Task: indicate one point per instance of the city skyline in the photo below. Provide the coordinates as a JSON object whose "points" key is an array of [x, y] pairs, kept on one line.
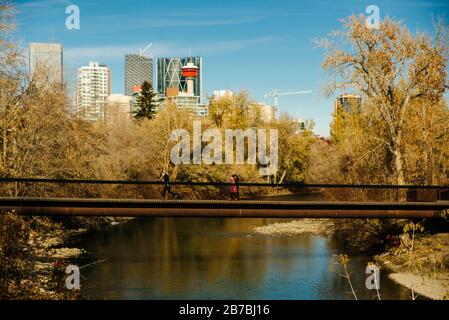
{"points": [[254, 48], [258, 150]]}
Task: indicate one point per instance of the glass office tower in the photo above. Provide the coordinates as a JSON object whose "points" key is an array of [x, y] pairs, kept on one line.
{"points": [[169, 75], [138, 69]]}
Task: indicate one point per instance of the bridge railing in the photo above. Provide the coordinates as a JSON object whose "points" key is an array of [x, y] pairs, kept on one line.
{"points": [[114, 189]]}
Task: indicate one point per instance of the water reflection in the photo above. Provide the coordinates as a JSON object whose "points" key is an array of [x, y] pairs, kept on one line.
{"points": [[190, 258]]}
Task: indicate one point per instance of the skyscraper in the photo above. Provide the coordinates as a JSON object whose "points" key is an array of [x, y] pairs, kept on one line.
{"points": [[92, 91], [169, 75], [138, 69], [46, 57], [347, 102], [179, 81]]}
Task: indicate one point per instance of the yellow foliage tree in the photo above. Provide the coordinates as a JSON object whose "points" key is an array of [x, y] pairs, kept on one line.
{"points": [[398, 75]]}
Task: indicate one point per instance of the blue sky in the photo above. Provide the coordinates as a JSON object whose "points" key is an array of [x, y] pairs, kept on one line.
{"points": [[252, 45]]}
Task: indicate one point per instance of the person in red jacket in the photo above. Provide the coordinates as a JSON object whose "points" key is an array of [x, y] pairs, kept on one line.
{"points": [[235, 188]]}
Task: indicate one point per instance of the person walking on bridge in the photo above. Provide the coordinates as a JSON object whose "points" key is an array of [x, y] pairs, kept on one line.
{"points": [[235, 188], [166, 180]]}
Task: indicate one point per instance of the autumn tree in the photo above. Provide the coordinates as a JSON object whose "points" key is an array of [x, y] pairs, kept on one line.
{"points": [[11, 77], [396, 73], [400, 134], [230, 111], [294, 148]]}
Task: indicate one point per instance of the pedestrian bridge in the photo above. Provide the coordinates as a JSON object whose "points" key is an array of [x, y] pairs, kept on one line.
{"points": [[61, 197]]}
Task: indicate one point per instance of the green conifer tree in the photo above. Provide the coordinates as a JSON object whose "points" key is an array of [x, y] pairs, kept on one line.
{"points": [[146, 102]]}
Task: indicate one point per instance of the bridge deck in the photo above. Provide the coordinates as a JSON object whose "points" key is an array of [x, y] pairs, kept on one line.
{"points": [[222, 208]]}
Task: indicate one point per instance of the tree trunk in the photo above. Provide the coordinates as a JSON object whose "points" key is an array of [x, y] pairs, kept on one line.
{"points": [[399, 170], [398, 158], [399, 166]]}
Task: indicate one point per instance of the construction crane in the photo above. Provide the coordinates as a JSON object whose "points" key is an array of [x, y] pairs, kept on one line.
{"points": [[275, 93], [141, 52]]}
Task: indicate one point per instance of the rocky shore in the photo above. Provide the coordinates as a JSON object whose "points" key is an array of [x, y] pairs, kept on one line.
{"points": [[425, 269], [55, 244], [53, 252], [297, 227]]}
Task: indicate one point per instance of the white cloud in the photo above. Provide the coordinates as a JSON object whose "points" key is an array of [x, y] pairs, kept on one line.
{"points": [[114, 52], [44, 4], [124, 23]]}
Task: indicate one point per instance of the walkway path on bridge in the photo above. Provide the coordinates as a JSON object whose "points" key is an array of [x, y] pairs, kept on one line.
{"points": [[142, 198]]}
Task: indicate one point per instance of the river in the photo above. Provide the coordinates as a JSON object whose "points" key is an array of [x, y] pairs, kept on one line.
{"points": [[200, 258]]}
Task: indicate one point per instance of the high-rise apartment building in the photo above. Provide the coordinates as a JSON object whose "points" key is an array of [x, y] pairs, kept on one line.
{"points": [[93, 88], [169, 75], [46, 59], [138, 69], [347, 102]]}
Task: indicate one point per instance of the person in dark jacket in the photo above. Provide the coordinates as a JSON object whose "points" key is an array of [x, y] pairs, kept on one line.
{"points": [[166, 180], [237, 181]]}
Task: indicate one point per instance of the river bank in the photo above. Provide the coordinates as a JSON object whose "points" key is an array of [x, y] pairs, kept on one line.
{"points": [[304, 226], [424, 269], [54, 244], [35, 251]]}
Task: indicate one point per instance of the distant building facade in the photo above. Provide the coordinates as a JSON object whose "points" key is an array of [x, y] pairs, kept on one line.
{"points": [[188, 103], [138, 69], [268, 113], [222, 93], [347, 102], [265, 112], [93, 88], [46, 57], [118, 106]]}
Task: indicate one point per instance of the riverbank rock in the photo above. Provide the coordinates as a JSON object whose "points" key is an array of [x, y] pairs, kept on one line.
{"points": [[65, 253], [302, 226]]}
